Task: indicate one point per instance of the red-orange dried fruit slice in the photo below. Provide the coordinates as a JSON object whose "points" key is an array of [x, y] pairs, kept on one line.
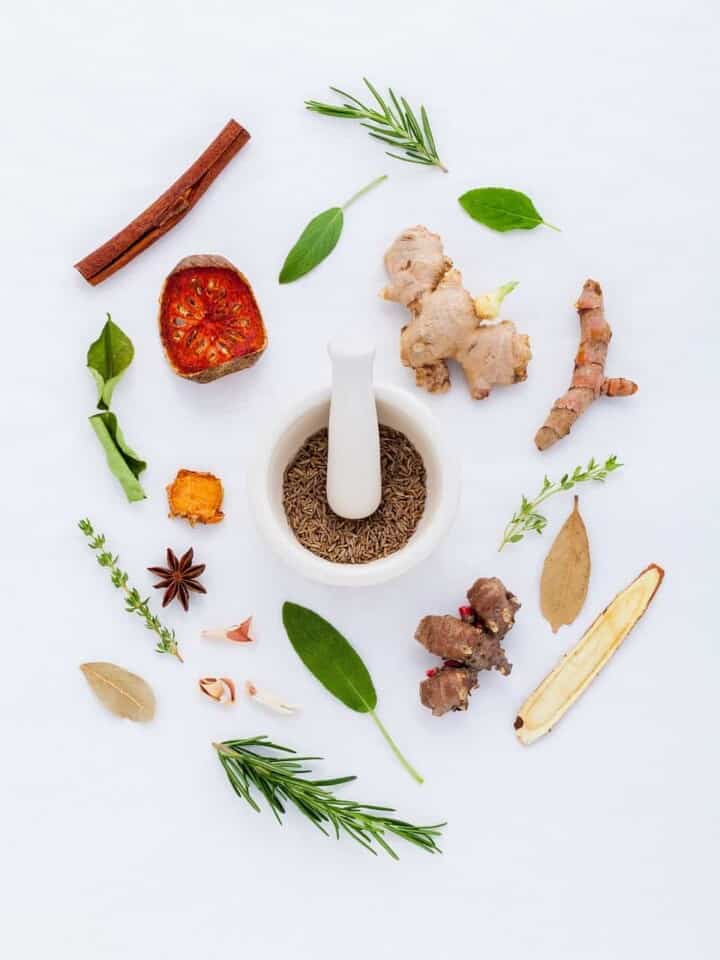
{"points": [[210, 323]]}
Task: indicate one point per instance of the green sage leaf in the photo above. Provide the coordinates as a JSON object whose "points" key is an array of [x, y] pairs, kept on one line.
{"points": [[107, 359], [124, 463], [502, 209], [316, 242], [330, 658]]}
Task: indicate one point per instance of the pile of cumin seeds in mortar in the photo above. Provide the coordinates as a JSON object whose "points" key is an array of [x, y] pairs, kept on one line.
{"points": [[355, 541]]}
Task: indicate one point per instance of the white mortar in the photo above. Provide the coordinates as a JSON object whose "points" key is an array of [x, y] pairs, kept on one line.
{"points": [[397, 409]]}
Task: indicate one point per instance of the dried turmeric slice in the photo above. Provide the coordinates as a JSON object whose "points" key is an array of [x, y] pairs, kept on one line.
{"points": [[197, 497]]}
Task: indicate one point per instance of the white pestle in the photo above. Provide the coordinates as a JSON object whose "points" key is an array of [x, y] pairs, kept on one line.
{"points": [[354, 480]]}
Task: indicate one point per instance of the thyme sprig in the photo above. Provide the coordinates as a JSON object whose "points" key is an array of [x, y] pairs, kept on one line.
{"points": [[527, 519], [281, 779], [394, 123], [133, 601]]}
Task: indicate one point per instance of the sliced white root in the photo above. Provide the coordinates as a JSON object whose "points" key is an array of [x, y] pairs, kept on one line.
{"points": [[578, 668], [269, 700]]}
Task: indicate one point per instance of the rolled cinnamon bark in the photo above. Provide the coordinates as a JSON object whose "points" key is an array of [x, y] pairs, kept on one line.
{"points": [[167, 210]]}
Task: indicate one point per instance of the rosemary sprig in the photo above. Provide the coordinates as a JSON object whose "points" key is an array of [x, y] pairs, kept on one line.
{"points": [[527, 518], [394, 123], [280, 779], [133, 601]]}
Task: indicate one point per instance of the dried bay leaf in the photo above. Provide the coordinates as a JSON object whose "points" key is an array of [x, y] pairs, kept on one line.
{"points": [[125, 694], [566, 573]]}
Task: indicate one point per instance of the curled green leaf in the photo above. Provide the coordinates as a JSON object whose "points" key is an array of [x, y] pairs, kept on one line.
{"points": [[502, 209], [124, 463]]}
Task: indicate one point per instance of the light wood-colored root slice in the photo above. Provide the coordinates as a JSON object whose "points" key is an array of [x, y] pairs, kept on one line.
{"points": [[578, 668]]}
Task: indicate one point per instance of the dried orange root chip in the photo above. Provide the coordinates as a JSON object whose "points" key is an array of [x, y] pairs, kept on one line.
{"points": [[197, 497]]}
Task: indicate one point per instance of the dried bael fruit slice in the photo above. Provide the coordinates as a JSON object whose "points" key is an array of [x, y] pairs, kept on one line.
{"points": [[210, 323], [197, 497], [578, 668]]}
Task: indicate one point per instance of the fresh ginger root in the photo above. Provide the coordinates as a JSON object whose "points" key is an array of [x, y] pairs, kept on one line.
{"points": [[588, 380], [466, 645], [447, 324]]}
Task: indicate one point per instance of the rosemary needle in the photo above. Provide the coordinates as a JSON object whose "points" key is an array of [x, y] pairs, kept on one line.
{"points": [[254, 764], [394, 123]]}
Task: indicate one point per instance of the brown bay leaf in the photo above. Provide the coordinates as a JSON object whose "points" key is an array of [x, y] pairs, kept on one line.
{"points": [[123, 693], [566, 573]]}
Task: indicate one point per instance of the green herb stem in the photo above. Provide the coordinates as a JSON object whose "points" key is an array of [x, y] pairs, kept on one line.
{"points": [[133, 601], [395, 749], [368, 186], [527, 519], [254, 767], [391, 121]]}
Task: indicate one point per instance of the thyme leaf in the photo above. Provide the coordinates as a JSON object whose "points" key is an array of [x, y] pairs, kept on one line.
{"points": [[527, 519], [134, 602]]}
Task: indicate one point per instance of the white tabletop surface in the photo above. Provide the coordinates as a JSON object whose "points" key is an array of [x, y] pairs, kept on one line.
{"points": [[122, 840]]}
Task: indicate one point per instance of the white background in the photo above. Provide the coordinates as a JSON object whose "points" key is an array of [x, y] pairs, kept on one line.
{"points": [[121, 840]]}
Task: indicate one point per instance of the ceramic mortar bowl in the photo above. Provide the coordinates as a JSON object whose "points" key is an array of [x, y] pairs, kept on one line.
{"points": [[397, 409]]}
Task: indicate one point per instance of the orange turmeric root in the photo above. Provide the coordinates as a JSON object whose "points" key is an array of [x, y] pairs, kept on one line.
{"points": [[588, 380], [196, 496]]}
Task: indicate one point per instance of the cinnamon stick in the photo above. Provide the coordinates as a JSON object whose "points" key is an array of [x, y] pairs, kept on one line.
{"points": [[167, 210]]}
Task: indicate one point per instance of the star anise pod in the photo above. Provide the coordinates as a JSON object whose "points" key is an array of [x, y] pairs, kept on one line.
{"points": [[179, 578]]}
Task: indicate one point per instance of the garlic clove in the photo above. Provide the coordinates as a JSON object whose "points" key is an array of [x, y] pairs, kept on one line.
{"points": [[220, 689], [269, 700], [239, 633]]}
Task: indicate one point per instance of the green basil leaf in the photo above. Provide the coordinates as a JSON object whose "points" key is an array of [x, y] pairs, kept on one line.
{"points": [[502, 209], [316, 242], [124, 463], [108, 358], [330, 658]]}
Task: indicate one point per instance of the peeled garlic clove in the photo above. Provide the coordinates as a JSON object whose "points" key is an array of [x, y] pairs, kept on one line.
{"points": [[269, 700]]}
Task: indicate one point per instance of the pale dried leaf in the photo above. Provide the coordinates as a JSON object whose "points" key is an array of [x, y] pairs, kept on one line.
{"points": [[123, 693], [566, 573]]}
